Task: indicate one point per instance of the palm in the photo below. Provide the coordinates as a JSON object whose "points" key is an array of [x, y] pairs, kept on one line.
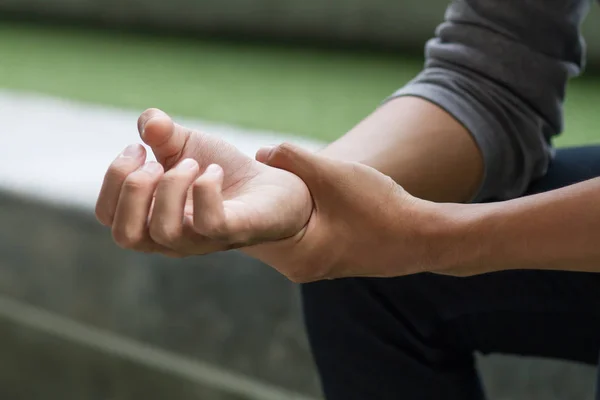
{"points": [[251, 190]]}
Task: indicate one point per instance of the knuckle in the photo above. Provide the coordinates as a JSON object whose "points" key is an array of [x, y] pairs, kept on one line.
{"points": [[216, 232], [211, 227], [286, 147], [127, 239], [137, 182], [117, 172], [201, 186], [164, 234], [173, 177], [103, 216], [283, 150]]}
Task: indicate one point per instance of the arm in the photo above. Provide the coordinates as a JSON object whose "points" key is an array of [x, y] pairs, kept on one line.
{"points": [[476, 123], [390, 233], [420, 146], [555, 230]]}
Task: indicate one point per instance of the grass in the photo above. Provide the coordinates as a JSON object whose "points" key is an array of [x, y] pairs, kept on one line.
{"points": [[315, 93]]}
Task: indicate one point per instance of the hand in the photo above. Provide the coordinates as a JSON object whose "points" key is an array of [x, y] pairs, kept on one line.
{"points": [[202, 196], [363, 223]]}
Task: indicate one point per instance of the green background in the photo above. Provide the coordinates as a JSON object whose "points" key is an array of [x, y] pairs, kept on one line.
{"points": [[314, 93], [399, 24]]}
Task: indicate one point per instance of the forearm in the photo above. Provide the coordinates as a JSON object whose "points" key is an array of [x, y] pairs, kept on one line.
{"points": [[557, 230], [420, 146]]}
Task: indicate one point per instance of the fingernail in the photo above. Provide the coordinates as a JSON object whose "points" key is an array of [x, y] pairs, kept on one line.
{"points": [[132, 151], [213, 169], [187, 164], [143, 126], [152, 167]]}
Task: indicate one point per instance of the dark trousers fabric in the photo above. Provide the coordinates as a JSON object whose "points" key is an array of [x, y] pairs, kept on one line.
{"points": [[414, 337]]}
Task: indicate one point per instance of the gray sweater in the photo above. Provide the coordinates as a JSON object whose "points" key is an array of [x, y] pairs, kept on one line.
{"points": [[500, 67]]}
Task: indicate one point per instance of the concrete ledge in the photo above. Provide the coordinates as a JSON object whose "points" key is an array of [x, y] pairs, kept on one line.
{"points": [[225, 310], [48, 338]]}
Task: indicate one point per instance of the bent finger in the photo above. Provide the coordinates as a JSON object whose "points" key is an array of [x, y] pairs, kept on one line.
{"points": [[130, 226], [166, 223], [127, 162]]}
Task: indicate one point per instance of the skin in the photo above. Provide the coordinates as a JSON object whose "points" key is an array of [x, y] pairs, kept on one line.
{"points": [[556, 230], [419, 146], [150, 206], [342, 213], [258, 206]]}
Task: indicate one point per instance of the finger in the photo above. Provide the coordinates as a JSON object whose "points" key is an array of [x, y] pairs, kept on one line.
{"points": [[166, 223], [127, 162], [262, 155], [209, 212], [166, 139], [130, 226], [308, 166]]}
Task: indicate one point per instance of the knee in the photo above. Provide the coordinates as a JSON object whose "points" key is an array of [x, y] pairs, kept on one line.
{"points": [[336, 307], [329, 302], [332, 307]]}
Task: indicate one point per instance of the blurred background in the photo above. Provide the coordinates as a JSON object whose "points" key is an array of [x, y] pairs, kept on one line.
{"points": [[82, 319]]}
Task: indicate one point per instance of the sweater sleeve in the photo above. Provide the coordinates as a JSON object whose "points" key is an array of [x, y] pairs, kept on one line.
{"points": [[500, 67]]}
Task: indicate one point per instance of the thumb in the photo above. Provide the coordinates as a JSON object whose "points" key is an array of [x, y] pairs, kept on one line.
{"points": [[158, 131], [308, 166]]}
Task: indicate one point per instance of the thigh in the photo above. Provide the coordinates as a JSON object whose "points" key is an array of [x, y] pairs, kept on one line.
{"points": [[414, 337]]}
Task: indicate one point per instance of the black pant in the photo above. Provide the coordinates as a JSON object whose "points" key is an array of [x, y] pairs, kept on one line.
{"points": [[414, 337]]}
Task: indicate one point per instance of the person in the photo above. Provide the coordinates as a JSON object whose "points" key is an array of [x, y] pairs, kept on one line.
{"points": [[442, 224]]}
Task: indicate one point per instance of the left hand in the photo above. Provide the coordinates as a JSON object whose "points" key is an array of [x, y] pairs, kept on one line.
{"points": [[363, 223]]}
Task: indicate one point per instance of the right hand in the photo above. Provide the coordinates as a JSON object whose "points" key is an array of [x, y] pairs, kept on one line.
{"points": [[202, 196]]}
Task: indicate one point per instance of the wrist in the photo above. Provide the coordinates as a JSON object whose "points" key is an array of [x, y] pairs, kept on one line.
{"points": [[454, 238]]}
